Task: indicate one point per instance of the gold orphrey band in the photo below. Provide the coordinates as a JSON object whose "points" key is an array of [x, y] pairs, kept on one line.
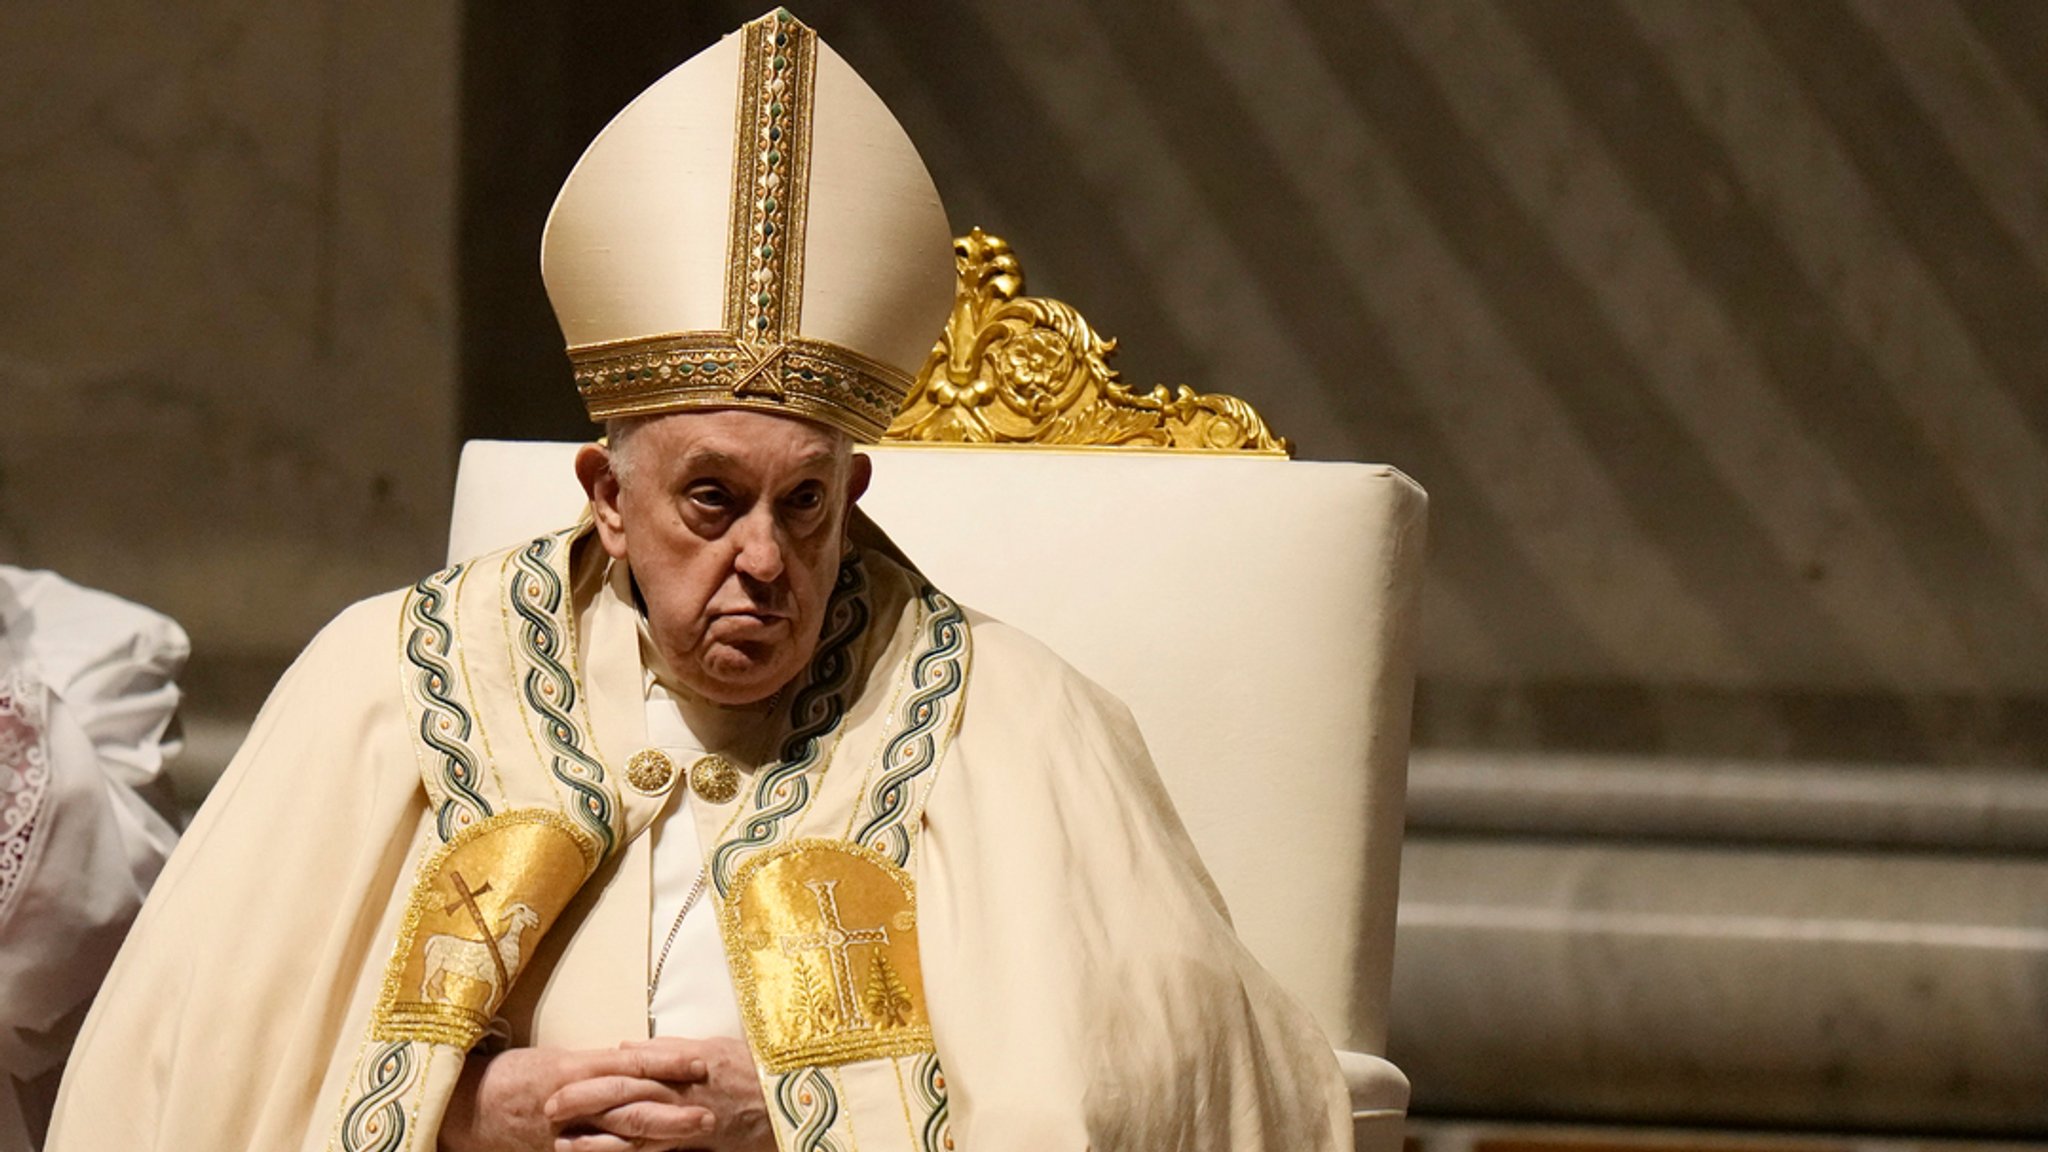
{"points": [[771, 180]]}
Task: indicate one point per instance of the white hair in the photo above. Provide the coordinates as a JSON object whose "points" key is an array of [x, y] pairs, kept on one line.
{"points": [[618, 433]]}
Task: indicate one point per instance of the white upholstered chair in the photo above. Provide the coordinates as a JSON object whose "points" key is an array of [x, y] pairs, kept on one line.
{"points": [[1256, 613]]}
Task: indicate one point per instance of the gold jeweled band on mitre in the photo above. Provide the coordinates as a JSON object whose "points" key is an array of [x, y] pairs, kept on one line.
{"points": [[814, 379]]}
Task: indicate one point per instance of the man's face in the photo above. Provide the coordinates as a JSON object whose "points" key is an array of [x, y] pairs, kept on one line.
{"points": [[732, 523]]}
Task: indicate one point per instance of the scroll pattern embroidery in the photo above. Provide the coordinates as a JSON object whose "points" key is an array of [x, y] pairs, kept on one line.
{"points": [[536, 592], [937, 676], [809, 1108], [931, 1098], [436, 703], [376, 1122], [817, 710]]}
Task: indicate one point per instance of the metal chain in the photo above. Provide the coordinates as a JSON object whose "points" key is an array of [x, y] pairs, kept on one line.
{"points": [[703, 881], [689, 902]]}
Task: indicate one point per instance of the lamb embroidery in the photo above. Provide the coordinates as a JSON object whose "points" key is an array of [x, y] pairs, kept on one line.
{"points": [[491, 961], [479, 909]]}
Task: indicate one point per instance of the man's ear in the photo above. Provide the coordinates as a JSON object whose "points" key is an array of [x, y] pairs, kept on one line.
{"points": [[601, 484], [857, 477]]}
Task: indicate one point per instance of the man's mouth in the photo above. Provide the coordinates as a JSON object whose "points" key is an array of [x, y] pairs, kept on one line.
{"points": [[749, 620]]}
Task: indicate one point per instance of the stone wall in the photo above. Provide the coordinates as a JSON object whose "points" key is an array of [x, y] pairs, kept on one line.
{"points": [[227, 309]]}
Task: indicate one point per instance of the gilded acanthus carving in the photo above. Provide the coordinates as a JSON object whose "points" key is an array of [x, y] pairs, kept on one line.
{"points": [[1017, 369]]}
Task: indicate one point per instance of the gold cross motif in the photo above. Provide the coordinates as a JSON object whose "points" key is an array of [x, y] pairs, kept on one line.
{"points": [[764, 376], [466, 898], [835, 940]]}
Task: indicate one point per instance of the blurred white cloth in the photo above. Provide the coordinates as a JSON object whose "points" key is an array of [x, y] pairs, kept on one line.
{"points": [[86, 701]]}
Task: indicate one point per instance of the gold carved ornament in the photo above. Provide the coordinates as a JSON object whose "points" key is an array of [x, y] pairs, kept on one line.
{"points": [[1018, 369]]}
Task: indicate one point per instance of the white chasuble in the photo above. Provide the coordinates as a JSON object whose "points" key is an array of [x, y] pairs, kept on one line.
{"points": [[1000, 943]]}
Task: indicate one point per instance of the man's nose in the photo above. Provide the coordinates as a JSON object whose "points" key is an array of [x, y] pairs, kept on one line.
{"points": [[760, 548]]}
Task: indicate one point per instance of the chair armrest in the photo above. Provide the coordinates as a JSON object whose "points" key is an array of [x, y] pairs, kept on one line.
{"points": [[1379, 1101]]}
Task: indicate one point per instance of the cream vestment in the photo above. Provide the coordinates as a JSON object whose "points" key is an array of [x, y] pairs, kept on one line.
{"points": [[1079, 978]]}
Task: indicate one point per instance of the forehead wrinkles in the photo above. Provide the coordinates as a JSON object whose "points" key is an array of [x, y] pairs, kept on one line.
{"points": [[712, 458]]}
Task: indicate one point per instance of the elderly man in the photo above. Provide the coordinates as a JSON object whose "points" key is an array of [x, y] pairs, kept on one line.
{"points": [[707, 822]]}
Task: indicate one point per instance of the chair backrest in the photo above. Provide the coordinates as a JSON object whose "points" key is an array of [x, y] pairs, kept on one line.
{"points": [[1256, 613]]}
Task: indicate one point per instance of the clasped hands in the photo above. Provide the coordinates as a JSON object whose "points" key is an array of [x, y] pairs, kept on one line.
{"points": [[643, 1096]]}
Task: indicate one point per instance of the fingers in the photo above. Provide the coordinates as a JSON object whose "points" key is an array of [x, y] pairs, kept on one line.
{"points": [[658, 1122], [598, 1142], [667, 1058], [581, 1100], [640, 1127]]}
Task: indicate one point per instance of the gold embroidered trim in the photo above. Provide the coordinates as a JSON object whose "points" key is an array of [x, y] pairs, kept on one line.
{"points": [[892, 721], [536, 606], [518, 868], [822, 939], [771, 180], [815, 379]]}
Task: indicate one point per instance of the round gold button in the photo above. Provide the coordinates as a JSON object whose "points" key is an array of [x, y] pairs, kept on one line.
{"points": [[715, 779], [650, 771]]}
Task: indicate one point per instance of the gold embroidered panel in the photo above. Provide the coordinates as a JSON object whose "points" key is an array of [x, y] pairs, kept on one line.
{"points": [[822, 936], [1018, 369], [479, 908]]}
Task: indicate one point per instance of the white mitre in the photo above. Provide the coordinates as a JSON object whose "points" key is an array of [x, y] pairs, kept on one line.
{"points": [[753, 231]]}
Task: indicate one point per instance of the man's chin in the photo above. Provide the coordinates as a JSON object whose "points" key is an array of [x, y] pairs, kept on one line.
{"points": [[735, 674]]}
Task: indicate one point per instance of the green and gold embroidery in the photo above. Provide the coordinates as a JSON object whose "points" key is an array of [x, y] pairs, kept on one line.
{"points": [[377, 1120], [543, 646], [938, 673], [807, 1106], [815, 714], [439, 706]]}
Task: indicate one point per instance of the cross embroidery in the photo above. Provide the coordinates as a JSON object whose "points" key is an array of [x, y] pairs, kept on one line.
{"points": [[467, 900], [835, 940]]}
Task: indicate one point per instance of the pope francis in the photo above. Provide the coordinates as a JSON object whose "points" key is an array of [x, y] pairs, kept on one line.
{"points": [[706, 822]]}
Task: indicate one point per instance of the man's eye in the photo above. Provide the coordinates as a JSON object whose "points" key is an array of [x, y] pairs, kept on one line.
{"points": [[710, 497], [806, 498]]}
